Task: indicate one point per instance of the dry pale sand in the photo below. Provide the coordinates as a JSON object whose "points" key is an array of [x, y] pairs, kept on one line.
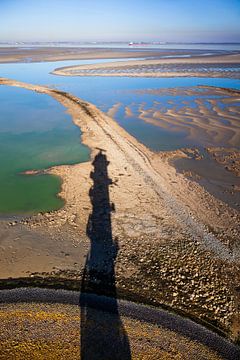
{"points": [[178, 245], [194, 66]]}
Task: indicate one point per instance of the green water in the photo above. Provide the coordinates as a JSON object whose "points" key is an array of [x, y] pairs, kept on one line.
{"points": [[35, 133]]}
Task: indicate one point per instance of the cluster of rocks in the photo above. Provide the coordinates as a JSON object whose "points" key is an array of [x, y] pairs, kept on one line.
{"points": [[49, 219], [182, 276], [171, 269]]}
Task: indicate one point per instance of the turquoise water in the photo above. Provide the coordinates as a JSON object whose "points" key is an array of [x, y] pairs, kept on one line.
{"points": [[35, 133]]}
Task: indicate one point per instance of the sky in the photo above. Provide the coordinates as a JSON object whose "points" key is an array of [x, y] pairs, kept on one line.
{"points": [[120, 20]]}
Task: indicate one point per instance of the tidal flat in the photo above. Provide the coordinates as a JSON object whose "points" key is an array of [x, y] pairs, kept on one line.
{"points": [[198, 117], [171, 241]]}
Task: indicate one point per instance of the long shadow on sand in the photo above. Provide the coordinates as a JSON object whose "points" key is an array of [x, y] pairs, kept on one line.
{"points": [[102, 333]]}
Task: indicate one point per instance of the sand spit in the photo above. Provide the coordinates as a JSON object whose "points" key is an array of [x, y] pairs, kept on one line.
{"points": [[177, 244], [214, 66], [105, 134]]}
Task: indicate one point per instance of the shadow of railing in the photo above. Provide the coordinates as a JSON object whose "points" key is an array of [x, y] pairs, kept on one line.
{"points": [[102, 333]]}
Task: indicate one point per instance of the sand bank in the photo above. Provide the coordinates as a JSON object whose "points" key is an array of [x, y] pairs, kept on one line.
{"points": [[214, 66], [171, 233]]}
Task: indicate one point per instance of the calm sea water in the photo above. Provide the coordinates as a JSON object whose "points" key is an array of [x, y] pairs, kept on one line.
{"points": [[35, 133]]}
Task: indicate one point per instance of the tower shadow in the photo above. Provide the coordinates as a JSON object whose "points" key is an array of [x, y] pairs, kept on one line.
{"points": [[102, 333]]}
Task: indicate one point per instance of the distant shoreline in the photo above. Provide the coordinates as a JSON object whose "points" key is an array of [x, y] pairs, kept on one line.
{"points": [[45, 53]]}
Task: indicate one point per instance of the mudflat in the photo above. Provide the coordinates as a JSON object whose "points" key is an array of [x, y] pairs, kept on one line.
{"points": [[35, 54]]}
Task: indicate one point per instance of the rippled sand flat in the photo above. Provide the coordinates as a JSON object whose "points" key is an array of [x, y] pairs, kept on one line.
{"points": [[210, 118], [227, 66]]}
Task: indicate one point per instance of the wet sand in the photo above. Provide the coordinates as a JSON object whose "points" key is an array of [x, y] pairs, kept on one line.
{"points": [[14, 55], [37, 54], [162, 221], [216, 178], [211, 66], [210, 121]]}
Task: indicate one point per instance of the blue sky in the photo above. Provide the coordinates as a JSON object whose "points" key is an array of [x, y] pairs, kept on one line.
{"points": [[116, 20]]}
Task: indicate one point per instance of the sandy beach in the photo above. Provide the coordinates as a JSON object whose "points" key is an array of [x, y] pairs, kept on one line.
{"points": [[172, 235]]}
